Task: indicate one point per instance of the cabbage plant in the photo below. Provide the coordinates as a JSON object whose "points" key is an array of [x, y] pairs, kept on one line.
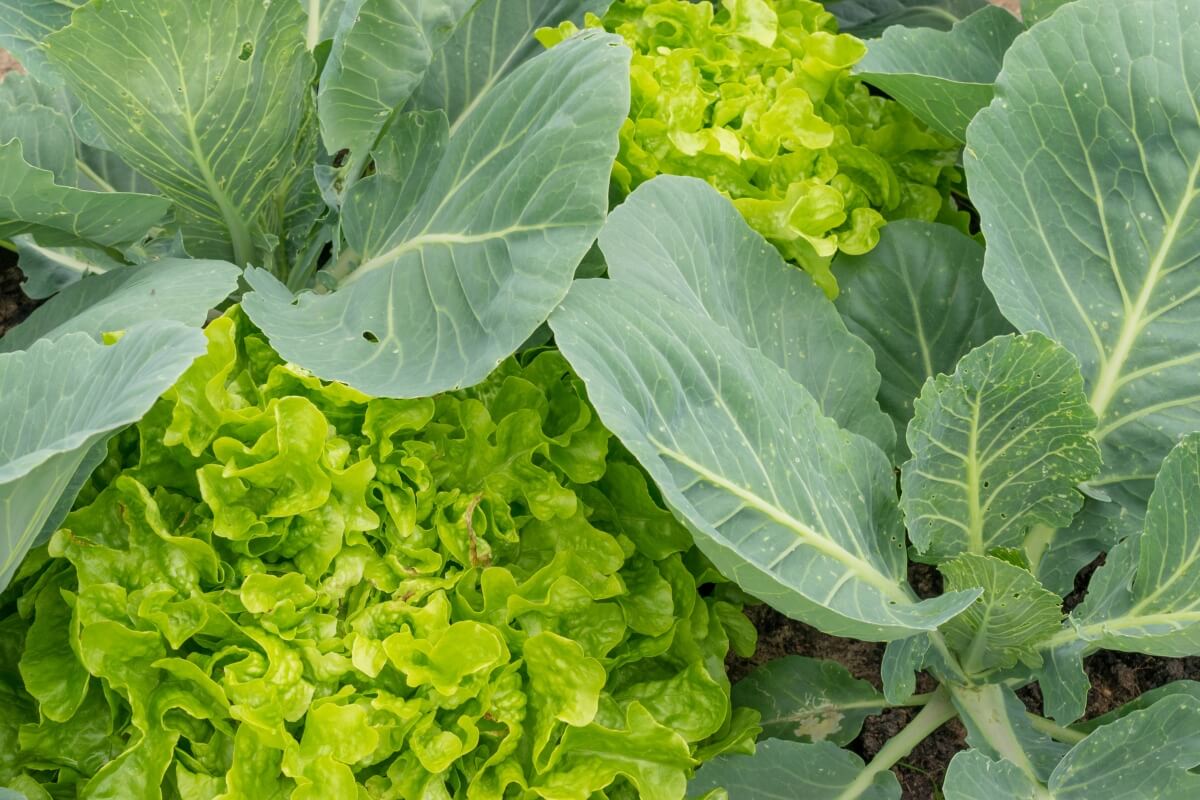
{"points": [[407, 186], [1045, 389], [418, 171]]}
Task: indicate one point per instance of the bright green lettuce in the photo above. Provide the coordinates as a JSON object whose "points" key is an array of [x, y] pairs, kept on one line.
{"points": [[279, 587], [756, 97]]}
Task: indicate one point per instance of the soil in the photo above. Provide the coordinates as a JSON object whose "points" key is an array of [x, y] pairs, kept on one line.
{"points": [[1116, 679], [14, 305]]}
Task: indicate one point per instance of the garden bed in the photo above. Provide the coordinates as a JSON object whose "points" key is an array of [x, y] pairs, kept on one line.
{"points": [[442, 424], [1116, 678]]}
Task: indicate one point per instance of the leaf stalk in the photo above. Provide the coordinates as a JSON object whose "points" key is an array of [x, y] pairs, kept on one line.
{"points": [[1054, 730], [987, 710], [936, 713]]}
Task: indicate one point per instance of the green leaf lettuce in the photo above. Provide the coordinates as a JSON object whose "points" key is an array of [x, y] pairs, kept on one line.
{"points": [[278, 587], [756, 97]]}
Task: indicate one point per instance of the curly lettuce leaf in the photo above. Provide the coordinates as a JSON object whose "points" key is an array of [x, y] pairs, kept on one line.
{"points": [[286, 588], [757, 98]]}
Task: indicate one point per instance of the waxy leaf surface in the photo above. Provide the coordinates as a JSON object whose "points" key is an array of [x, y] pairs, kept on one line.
{"points": [[799, 511], [918, 299], [1086, 171], [944, 77], [453, 280]]}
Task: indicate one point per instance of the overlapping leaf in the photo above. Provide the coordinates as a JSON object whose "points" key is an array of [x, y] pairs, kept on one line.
{"points": [[324, 18], [492, 41], [1146, 597], [48, 270], [456, 281], [1033, 11], [785, 769], [82, 391], [31, 201], [763, 303], [1056, 557], [799, 511], [1086, 170], [998, 725], [45, 133], [869, 18], [944, 77], [1145, 754], [25, 23], [918, 299], [1143, 701], [974, 776], [171, 289], [47, 122], [380, 54], [97, 168]]}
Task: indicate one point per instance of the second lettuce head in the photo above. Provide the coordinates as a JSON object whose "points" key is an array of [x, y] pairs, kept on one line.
{"points": [[757, 98]]}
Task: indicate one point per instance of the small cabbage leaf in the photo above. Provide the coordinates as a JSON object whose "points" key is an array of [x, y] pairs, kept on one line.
{"points": [[801, 512], [808, 700], [1146, 597], [1085, 171], [998, 447], [944, 77], [1013, 615], [902, 659], [81, 391], [1063, 682], [454, 279]]}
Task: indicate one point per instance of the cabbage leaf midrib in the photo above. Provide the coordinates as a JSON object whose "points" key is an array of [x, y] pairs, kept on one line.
{"points": [[1110, 379], [806, 534]]}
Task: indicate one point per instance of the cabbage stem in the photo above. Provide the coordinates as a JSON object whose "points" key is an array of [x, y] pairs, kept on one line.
{"points": [[937, 712]]}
